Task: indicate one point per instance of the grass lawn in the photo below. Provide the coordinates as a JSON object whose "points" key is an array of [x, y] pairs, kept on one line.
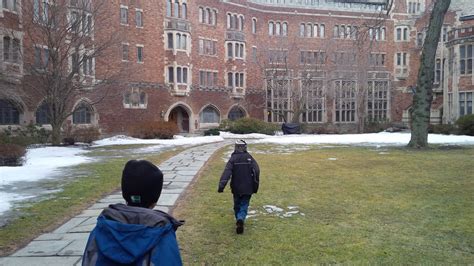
{"points": [[360, 205], [94, 181]]}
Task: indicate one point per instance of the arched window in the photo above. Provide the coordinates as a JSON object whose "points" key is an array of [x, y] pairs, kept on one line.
{"points": [[184, 11], [178, 41], [270, 28], [309, 29], [82, 114], [285, 29], [382, 34], [184, 40], [235, 22], [278, 29], [208, 16], [201, 14], [241, 20], [322, 31], [214, 17], [254, 25], [9, 114], [236, 113], [315, 30], [176, 9], [230, 50], [229, 20], [168, 8], [43, 115], [210, 115]]}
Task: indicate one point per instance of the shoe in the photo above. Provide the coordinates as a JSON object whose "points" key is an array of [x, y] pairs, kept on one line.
{"points": [[240, 227]]}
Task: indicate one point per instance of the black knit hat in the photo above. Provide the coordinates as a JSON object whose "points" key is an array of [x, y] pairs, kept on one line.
{"points": [[142, 182]]}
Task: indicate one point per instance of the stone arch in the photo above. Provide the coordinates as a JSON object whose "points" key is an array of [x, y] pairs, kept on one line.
{"points": [[42, 113], [11, 111], [87, 116], [181, 114], [205, 120], [236, 111]]}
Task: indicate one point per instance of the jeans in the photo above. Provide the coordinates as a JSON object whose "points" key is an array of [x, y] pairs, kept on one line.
{"points": [[241, 205]]}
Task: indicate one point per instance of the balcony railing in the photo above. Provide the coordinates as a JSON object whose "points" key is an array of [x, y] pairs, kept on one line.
{"points": [[179, 25], [235, 36]]}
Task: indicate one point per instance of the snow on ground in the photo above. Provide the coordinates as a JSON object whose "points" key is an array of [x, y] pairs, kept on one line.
{"points": [[177, 140], [274, 210], [382, 139], [40, 163], [45, 162]]}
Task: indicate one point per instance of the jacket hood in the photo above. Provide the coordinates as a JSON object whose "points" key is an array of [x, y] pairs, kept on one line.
{"points": [[124, 233]]}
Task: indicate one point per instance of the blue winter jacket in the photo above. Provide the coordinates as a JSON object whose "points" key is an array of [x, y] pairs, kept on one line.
{"points": [[126, 235]]}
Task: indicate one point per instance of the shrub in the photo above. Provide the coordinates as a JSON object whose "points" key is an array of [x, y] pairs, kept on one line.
{"points": [[25, 136], [86, 134], [226, 125], [252, 125], [212, 132], [154, 130], [445, 129], [466, 125], [11, 154]]}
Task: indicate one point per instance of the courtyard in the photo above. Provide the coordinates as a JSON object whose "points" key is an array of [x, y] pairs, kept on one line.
{"points": [[323, 199]]}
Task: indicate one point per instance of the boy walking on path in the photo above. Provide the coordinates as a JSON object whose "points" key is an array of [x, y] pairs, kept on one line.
{"points": [[244, 173], [135, 234]]}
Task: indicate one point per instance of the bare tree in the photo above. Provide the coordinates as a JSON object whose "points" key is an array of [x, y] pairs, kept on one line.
{"points": [[424, 89], [66, 48], [299, 89]]}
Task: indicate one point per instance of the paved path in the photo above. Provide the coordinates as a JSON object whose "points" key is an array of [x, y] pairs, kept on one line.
{"points": [[65, 245]]}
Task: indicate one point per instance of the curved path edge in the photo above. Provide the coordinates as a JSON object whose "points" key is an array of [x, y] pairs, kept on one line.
{"points": [[65, 245]]}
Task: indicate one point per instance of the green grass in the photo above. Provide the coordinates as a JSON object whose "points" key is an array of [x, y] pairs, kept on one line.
{"points": [[403, 207], [94, 181]]}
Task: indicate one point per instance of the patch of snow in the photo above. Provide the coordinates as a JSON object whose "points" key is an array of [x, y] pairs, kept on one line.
{"points": [[375, 139], [292, 207], [228, 135], [41, 163], [272, 209], [332, 159], [177, 141], [291, 213], [7, 199]]}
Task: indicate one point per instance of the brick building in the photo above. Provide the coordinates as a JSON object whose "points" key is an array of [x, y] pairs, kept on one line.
{"points": [[333, 63]]}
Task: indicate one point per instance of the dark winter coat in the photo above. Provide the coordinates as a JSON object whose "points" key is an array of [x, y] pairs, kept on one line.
{"points": [[244, 173], [133, 236]]}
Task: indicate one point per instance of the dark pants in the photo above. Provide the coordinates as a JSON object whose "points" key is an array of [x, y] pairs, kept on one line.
{"points": [[241, 205]]}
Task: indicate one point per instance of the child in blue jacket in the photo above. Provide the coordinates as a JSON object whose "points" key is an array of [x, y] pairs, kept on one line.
{"points": [[135, 234]]}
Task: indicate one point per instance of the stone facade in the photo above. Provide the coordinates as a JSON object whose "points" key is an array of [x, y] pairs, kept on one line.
{"points": [[197, 62]]}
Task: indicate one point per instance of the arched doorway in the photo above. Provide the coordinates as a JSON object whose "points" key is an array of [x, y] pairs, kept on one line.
{"points": [[180, 116], [236, 113]]}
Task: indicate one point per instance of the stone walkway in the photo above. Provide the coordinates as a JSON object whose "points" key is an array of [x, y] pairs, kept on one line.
{"points": [[65, 245]]}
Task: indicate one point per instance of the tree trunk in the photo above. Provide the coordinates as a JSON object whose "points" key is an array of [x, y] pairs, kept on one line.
{"points": [[56, 134], [424, 88]]}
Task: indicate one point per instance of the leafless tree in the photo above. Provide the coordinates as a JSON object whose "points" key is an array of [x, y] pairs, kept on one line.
{"points": [[66, 48], [299, 88]]}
